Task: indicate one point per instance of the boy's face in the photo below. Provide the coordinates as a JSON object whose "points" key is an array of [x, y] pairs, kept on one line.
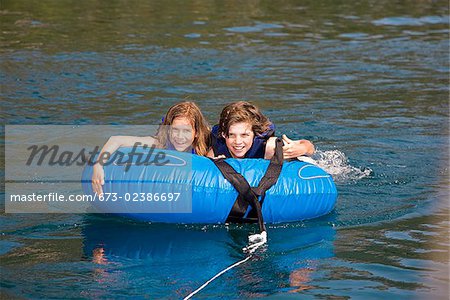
{"points": [[239, 139]]}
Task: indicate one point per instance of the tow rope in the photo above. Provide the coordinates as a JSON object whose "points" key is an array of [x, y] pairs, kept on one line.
{"points": [[248, 196], [255, 241]]}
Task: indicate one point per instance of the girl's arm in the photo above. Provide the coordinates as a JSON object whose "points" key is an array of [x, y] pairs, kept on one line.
{"points": [[114, 143], [210, 153]]}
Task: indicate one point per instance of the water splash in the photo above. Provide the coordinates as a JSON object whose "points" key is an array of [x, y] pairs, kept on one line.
{"points": [[335, 163]]}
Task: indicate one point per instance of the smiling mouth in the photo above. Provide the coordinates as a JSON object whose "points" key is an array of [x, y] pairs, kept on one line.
{"points": [[240, 148], [181, 145], [175, 143]]}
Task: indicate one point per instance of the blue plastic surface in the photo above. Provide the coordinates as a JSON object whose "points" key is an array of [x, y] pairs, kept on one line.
{"points": [[303, 191]]}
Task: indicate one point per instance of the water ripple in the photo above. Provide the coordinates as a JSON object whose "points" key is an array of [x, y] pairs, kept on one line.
{"points": [[410, 21]]}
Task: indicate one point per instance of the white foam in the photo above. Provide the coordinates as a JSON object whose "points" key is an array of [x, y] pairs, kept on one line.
{"points": [[335, 163]]}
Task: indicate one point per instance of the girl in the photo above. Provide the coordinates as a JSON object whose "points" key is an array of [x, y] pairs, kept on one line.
{"points": [[183, 129]]}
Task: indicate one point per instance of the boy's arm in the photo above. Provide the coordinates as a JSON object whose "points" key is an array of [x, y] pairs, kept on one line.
{"points": [[291, 149], [294, 149]]}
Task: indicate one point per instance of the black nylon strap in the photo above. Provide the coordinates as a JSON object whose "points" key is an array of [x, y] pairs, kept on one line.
{"points": [[248, 195], [273, 170], [236, 179], [271, 176]]}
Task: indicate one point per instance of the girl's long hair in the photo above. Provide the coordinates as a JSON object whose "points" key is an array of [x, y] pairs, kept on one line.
{"points": [[190, 111]]}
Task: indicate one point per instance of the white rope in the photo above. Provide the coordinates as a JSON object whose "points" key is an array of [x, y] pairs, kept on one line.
{"points": [[217, 275], [255, 240]]}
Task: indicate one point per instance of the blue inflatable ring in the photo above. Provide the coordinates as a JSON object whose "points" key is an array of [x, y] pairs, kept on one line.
{"points": [[142, 191]]}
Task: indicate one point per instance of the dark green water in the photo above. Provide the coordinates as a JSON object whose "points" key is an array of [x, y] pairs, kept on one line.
{"points": [[367, 82]]}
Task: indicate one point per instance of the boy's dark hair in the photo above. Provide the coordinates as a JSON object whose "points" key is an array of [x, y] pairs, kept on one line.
{"points": [[242, 111]]}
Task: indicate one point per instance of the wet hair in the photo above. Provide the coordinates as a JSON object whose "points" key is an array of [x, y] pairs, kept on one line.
{"points": [[190, 111], [242, 111]]}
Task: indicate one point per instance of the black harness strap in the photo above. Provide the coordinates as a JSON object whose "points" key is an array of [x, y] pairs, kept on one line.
{"points": [[271, 176], [248, 195]]}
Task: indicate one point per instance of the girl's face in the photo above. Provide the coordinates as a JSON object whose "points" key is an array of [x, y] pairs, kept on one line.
{"points": [[240, 139], [181, 133]]}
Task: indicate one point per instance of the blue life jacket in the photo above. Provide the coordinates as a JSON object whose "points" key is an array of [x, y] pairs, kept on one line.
{"points": [[257, 150]]}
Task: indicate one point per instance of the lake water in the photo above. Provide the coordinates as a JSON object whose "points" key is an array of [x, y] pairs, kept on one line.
{"points": [[367, 82]]}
